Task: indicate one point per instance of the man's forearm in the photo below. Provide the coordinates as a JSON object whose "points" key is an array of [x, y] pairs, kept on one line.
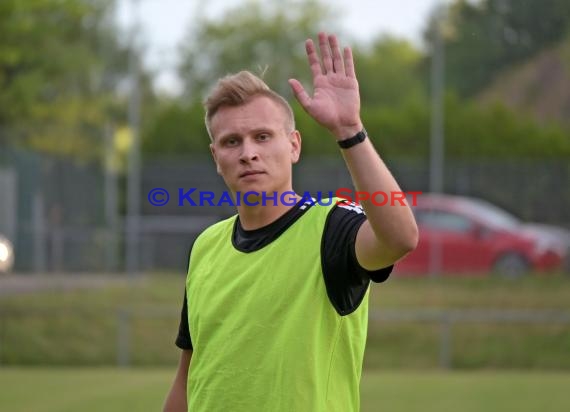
{"points": [[393, 224], [176, 401]]}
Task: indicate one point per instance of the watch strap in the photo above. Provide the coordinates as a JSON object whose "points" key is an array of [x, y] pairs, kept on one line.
{"points": [[354, 140]]}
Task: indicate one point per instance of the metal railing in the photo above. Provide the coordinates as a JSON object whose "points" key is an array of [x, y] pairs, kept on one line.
{"points": [[446, 319]]}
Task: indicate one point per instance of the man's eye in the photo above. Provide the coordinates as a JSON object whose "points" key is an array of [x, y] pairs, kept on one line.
{"points": [[230, 142], [263, 137]]}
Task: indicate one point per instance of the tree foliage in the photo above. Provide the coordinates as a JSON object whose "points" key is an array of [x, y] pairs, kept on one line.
{"points": [[392, 77], [474, 130], [263, 37], [389, 72], [62, 66], [61, 63], [482, 38], [177, 129]]}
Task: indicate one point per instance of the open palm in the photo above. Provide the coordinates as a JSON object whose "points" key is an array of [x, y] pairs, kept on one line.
{"points": [[335, 103]]}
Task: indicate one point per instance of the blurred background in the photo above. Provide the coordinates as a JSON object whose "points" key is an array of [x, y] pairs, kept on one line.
{"points": [[467, 102]]}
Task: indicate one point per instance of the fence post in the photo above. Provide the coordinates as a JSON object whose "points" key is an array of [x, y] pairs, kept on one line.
{"points": [[445, 345], [111, 203], [123, 337], [39, 234]]}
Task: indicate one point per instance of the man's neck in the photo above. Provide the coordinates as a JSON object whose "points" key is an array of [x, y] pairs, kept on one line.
{"points": [[255, 217]]}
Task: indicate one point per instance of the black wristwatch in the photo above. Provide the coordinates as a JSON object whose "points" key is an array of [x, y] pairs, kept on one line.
{"points": [[354, 140]]}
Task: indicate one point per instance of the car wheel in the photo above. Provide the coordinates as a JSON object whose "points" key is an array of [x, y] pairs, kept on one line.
{"points": [[511, 265]]}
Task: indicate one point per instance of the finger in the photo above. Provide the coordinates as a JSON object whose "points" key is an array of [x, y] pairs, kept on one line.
{"points": [[349, 62], [313, 58], [325, 53], [337, 58], [300, 93]]}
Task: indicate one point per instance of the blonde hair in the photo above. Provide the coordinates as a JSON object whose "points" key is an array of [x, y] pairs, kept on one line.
{"points": [[240, 88]]}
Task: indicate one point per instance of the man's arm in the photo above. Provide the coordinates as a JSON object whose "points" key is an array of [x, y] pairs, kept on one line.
{"points": [[176, 400], [390, 231]]}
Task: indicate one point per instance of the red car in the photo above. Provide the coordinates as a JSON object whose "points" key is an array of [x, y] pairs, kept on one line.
{"points": [[460, 235]]}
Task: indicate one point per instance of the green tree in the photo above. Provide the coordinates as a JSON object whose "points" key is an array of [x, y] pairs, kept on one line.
{"points": [[474, 130], [482, 38], [389, 72], [176, 129], [61, 63]]}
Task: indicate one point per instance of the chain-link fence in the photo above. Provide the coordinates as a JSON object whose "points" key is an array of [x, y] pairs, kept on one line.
{"points": [[56, 213], [66, 216]]}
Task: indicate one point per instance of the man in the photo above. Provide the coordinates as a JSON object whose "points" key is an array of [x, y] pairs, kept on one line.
{"points": [[275, 311]]}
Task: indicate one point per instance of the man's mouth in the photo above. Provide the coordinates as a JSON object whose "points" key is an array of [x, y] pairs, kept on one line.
{"points": [[251, 173]]}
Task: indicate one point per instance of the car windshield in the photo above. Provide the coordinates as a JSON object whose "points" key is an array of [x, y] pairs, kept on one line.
{"points": [[493, 215]]}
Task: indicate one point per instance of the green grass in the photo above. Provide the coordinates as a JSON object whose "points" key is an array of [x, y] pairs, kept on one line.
{"points": [[487, 391], [116, 390], [81, 327], [67, 390]]}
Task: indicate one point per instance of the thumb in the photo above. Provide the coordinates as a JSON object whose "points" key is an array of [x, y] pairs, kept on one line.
{"points": [[300, 93]]}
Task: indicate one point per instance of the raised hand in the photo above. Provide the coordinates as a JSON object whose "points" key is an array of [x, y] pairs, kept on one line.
{"points": [[335, 103]]}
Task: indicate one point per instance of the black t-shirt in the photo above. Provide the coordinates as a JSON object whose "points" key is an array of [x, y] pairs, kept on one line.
{"points": [[346, 281]]}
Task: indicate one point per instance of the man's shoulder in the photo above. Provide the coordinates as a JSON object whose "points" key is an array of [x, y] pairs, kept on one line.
{"points": [[345, 206], [216, 229]]}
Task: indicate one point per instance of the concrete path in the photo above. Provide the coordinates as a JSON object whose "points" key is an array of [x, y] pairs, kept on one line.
{"points": [[15, 284]]}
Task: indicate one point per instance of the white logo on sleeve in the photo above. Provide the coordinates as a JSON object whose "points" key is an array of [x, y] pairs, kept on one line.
{"points": [[352, 206]]}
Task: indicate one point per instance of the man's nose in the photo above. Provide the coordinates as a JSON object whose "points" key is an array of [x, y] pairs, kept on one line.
{"points": [[248, 151]]}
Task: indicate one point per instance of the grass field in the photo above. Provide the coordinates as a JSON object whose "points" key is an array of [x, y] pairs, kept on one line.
{"points": [[141, 390], [48, 330]]}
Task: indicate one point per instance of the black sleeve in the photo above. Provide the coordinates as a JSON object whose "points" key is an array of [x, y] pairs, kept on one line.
{"points": [[183, 340], [346, 281]]}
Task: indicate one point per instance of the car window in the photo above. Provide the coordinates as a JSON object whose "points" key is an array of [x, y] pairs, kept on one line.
{"points": [[491, 214], [443, 220]]}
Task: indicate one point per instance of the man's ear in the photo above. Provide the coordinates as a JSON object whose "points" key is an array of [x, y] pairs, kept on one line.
{"points": [[295, 138], [213, 151]]}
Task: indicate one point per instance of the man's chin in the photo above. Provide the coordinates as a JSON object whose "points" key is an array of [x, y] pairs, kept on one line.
{"points": [[255, 191], [252, 186]]}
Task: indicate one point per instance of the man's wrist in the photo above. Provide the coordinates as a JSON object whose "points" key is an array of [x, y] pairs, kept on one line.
{"points": [[347, 131], [357, 138]]}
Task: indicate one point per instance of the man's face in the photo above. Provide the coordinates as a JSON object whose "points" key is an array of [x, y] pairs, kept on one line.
{"points": [[252, 149]]}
